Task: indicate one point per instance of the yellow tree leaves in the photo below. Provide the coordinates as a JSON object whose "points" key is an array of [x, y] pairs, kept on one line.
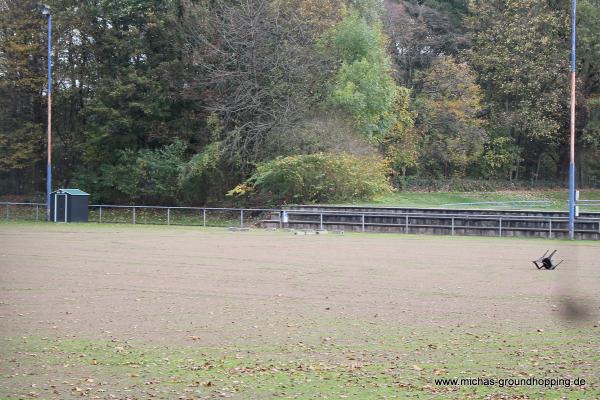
{"points": [[448, 118]]}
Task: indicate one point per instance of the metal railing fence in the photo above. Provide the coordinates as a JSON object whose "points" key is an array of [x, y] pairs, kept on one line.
{"points": [[23, 211], [189, 216], [247, 217], [525, 203], [155, 215], [588, 203], [411, 221]]}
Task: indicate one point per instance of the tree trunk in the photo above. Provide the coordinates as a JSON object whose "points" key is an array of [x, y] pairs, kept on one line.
{"points": [[562, 166]]}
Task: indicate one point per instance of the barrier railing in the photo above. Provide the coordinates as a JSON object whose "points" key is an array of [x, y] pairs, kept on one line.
{"points": [[246, 217], [452, 222], [525, 203], [157, 215], [588, 203], [24, 211], [190, 216]]}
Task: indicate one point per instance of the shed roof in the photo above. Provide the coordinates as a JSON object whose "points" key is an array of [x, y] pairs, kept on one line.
{"points": [[72, 192]]}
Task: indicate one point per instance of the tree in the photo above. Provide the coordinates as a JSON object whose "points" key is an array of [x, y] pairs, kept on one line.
{"points": [[144, 176], [363, 85], [499, 156], [318, 15], [520, 51], [136, 98], [589, 70], [448, 107], [588, 121], [255, 62], [401, 144], [22, 88], [420, 32]]}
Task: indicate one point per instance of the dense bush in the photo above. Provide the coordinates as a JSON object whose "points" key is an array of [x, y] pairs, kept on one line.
{"points": [[145, 176], [319, 177], [202, 179]]}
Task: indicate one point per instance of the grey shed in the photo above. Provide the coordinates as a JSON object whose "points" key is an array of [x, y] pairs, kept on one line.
{"points": [[69, 205]]}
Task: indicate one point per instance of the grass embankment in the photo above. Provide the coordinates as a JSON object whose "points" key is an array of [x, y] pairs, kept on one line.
{"points": [[557, 200]]}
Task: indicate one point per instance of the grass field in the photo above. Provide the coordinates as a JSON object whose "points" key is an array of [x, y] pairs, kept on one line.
{"points": [[558, 200], [140, 312]]}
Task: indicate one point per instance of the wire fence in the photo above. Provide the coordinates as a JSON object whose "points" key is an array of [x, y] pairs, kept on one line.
{"points": [[23, 211], [189, 216], [149, 215]]}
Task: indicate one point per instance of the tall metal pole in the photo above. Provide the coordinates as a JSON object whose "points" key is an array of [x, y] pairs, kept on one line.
{"points": [[572, 163], [49, 165]]}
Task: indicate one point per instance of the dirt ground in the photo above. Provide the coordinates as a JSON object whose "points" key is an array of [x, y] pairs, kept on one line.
{"points": [[189, 286], [166, 284]]}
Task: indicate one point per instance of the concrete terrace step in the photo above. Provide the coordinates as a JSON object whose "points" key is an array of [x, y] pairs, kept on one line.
{"points": [[548, 224], [417, 210]]}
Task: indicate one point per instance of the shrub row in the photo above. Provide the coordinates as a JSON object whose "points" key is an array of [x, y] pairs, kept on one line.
{"points": [[320, 177]]}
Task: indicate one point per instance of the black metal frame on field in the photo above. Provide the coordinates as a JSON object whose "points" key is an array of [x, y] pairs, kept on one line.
{"points": [[406, 222]]}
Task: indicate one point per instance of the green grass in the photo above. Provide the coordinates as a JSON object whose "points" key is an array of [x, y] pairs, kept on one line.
{"points": [[388, 364], [558, 199]]}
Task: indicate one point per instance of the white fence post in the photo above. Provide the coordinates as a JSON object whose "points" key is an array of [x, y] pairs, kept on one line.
{"points": [[452, 226], [406, 223], [363, 222], [133, 214], [321, 215], [500, 226], [168, 216], [100, 215], [204, 217]]}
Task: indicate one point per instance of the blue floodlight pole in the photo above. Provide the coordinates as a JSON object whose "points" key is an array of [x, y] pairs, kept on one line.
{"points": [[572, 163], [46, 12]]}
